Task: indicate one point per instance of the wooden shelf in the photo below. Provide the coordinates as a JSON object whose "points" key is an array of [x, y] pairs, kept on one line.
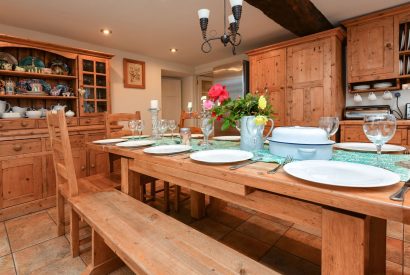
{"points": [[36, 75], [394, 88], [404, 52], [39, 97]]}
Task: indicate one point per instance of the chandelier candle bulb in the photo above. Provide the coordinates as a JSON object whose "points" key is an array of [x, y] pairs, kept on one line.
{"points": [[236, 3], [203, 13], [154, 104]]}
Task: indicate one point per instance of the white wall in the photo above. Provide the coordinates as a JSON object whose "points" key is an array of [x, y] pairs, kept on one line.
{"points": [[123, 99], [206, 68]]}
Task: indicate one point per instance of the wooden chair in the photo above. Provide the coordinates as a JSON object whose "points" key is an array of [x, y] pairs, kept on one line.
{"points": [[68, 185], [122, 119], [189, 116]]}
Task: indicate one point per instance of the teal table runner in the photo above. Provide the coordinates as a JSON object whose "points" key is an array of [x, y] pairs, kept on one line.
{"points": [[396, 163]]}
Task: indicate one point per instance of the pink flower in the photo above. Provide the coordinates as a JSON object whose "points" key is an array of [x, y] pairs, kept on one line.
{"points": [[218, 92], [208, 104]]}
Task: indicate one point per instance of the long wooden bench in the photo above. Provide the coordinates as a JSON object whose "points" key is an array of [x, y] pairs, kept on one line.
{"points": [[150, 242]]}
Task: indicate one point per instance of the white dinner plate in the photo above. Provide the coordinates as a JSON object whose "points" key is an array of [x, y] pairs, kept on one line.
{"points": [[170, 135], [221, 156], [136, 137], [167, 149], [382, 85], [338, 173], [135, 143], [197, 135], [361, 87], [109, 141], [368, 147], [228, 138]]}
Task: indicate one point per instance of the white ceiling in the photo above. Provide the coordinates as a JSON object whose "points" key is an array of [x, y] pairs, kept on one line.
{"points": [[152, 27]]}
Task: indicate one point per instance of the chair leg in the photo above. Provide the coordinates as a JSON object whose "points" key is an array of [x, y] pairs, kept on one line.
{"points": [[166, 196], [177, 197], [75, 233], [60, 214]]}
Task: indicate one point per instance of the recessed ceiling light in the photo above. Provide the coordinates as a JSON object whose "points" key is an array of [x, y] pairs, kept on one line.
{"points": [[106, 31], [173, 50]]}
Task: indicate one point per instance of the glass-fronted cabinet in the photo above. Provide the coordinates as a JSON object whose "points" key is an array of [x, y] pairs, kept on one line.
{"points": [[94, 80]]}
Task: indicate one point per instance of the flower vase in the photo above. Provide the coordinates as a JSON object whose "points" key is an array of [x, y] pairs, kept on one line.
{"points": [[252, 137]]}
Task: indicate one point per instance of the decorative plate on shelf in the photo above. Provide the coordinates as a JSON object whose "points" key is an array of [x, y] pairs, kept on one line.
{"points": [[30, 60], [8, 58], [59, 67]]}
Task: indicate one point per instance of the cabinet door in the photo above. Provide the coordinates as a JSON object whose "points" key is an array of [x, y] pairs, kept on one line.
{"points": [[371, 50], [98, 161], [20, 180], [309, 94], [268, 71]]}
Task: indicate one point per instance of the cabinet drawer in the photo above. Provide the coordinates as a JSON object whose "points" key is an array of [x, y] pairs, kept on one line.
{"points": [[92, 121], [17, 124], [18, 147], [356, 134], [71, 121], [76, 141]]}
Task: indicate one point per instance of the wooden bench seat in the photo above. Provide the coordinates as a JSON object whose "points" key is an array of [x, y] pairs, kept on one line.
{"points": [[150, 242]]}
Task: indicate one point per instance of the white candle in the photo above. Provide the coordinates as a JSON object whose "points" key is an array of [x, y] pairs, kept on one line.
{"points": [[154, 104], [236, 3], [189, 105], [203, 13]]}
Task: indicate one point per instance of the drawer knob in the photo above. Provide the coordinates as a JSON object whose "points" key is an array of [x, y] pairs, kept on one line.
{"points": [[82, 168], [92, 165], [88, 121], [24, 124], [17, 147], [388, 45]]}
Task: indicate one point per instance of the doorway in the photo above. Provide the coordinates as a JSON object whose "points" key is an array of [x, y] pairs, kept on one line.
{"points": [[171, 98], [204, 84]]}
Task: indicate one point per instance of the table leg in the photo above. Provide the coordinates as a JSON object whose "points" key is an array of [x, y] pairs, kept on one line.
{"points": [[197, 205], [130, 180], [352, 244]]}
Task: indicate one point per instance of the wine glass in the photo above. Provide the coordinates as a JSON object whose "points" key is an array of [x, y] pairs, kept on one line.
{"points": [[379, 129], [329, 124], [132, 124], [207, 127], [163, 127], [172, 126], [140, 127]]}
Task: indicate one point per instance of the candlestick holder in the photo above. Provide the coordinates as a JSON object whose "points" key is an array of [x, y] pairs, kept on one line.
{"points": [[154, 119], [189, 110]]}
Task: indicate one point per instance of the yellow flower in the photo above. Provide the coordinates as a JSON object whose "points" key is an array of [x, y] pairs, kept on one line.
{"points": [[261, 120], [262, 102]]}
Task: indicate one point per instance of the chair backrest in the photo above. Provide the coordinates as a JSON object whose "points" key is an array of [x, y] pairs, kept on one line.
{"points": [[189, 116], [63, 158], [113, 119]]}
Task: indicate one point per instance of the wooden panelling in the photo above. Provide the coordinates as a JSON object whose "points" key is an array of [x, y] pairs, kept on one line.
{"points": [[370, 51], [19, 147], [20, 180]]}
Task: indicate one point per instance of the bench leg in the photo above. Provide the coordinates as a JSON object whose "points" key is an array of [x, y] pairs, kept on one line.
{"points": [[74, 233], [177, 198], [103, 260], [197, 205], [60, 214], [166, 196]]}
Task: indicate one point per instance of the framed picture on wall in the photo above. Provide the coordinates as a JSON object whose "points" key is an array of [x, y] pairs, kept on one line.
{"points": [[134, 73]]}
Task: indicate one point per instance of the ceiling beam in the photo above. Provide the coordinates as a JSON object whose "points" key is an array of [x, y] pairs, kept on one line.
{"points": [[300, 17]]}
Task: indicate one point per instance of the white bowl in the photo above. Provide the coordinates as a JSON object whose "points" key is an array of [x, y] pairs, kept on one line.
{"points": [[34, 114], [10, 115]]}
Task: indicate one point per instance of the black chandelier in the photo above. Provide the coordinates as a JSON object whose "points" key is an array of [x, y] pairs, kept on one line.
{"points": [[231, 34]]}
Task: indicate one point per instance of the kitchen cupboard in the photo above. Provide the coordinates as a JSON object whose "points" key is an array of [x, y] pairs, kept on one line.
{"points": [[378, 49], [27, 179], [303, 77]]}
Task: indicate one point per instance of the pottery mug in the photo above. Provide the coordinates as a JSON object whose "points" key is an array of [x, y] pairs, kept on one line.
{"points": [[357, 98], [4, 106], [387, 95], [372, 96]]}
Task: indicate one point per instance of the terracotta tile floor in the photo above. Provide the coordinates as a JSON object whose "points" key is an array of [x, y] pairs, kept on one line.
{"points": [[29, 244]]}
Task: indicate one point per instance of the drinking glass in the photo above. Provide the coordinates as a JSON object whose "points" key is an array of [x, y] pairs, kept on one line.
{"points": [[163, 127], [132, 124], [207, 127], [140, 127], [379, 129], [329, 124], [172, 126]]}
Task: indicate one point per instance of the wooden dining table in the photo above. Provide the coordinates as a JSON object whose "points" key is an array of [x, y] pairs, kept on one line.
{"points": [[352, 221]]}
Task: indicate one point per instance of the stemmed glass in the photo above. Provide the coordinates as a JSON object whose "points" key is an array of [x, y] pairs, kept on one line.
{"points": [[207, 127], [172, 126], [132, 124], [379, 129], [140, 127], [329, 124], [163, 127]]}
